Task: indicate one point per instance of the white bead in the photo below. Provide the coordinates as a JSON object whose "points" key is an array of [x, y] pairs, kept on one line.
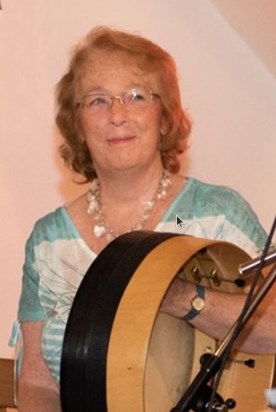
{"points": [[148, 205], [162, 195], [94, 185], [99, 230], [93, 205]]}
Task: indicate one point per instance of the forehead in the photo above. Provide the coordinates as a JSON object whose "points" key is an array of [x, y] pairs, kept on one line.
{"points": [[113, 71]]}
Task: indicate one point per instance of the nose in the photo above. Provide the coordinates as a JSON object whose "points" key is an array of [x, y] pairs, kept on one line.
{"points": [[117, 111]]}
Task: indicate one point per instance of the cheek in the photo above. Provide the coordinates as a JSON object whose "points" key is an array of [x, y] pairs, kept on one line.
{"points": [[91, 131], [152, 126], [92, 134]]}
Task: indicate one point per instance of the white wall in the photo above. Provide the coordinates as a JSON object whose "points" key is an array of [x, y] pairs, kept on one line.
{"points": [[227, 90]]}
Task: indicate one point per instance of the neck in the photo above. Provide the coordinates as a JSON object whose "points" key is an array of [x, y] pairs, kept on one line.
{"points": [[130, 205], [124, 188]]}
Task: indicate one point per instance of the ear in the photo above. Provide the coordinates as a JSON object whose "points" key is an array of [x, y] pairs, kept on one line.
{"points": [[163, 126]]}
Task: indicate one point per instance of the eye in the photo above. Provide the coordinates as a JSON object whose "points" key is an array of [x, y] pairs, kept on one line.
{"points": [[136, 96], [94, 100]]}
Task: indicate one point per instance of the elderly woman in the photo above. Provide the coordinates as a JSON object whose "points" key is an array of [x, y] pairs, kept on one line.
{"points": [[120, 114]]}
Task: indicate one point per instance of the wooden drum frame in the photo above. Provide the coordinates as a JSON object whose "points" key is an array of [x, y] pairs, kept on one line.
{"points": [[121, 354]]}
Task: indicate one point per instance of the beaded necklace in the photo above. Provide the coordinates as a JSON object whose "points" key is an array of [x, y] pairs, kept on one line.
{"points": [[101, 228]]}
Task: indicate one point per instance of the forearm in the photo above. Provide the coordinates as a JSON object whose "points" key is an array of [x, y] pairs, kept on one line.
{"points": [[221, 312], [38, 399]]}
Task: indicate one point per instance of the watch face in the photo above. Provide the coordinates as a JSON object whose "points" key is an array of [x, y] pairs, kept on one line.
{"points": [[198, 303]]}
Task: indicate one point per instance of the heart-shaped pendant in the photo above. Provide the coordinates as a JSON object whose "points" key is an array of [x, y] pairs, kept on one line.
{"points": [[99, 230]]}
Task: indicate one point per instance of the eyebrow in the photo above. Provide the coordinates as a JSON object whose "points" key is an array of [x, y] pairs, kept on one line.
{"points": [[103, 91]]}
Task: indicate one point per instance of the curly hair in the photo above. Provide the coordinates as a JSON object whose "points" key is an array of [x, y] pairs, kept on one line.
{"points": [[150, 58]]}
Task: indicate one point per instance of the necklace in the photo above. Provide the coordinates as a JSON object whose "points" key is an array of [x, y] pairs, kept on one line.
{"points": [[101, 228]]}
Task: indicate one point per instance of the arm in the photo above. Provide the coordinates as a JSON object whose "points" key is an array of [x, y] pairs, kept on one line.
{"points": [[221, 312], [36, 389]]}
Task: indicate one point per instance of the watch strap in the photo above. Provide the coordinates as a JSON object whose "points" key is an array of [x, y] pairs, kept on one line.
{"points": [[200, 292]]}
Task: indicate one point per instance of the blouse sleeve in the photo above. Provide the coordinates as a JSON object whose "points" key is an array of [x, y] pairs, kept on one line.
{"points": [[242, 226], [30, 308]]}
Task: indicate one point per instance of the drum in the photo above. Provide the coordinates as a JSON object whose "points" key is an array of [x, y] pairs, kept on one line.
{"points": [[120, 353]]}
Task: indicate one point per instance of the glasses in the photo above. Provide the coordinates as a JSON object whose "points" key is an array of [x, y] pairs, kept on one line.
{"points": [[100, 104]]}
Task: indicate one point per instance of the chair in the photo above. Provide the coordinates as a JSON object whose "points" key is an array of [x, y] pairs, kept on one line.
{"points": [[6, 384]]}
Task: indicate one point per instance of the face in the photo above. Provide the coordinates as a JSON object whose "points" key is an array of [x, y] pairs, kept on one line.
{"points": [[122, 138]]}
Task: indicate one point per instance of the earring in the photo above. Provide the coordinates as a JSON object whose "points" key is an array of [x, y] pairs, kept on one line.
{"points": [[162, 140]]}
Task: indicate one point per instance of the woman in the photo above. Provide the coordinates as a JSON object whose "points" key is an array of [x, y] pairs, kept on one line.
{"points": [[120, 113]]}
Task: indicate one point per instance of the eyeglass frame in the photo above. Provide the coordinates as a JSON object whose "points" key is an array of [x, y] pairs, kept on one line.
{"points": [[120, 97]]}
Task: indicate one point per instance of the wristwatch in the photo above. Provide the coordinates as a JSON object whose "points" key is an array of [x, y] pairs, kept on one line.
{"points": [[197, 303]]}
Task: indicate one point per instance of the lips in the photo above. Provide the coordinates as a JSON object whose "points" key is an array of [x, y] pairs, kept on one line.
{"points": [[120, 139]]}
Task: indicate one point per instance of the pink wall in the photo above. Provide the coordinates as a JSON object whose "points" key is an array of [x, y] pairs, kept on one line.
{"points": [[227, 90]]}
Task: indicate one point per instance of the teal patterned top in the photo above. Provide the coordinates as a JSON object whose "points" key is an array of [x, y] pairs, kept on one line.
{"points": [[57, 257]]}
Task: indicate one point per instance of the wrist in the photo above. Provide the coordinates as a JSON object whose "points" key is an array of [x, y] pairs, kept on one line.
{"points": [[197, 303]]}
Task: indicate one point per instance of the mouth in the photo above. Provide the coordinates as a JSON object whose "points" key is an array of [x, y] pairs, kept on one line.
{"points": [[117, 140]]}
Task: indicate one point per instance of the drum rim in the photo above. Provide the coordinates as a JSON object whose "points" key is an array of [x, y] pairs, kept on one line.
{"points": [[84, 354]]}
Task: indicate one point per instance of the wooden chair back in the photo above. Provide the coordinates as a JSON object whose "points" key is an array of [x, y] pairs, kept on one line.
{"points": [[6, 384]]}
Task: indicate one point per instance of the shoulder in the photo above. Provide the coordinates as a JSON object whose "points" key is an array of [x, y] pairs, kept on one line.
{"points": [[202, 188], [212, 199], [221, 212], [198, 199], [52, 226]]}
